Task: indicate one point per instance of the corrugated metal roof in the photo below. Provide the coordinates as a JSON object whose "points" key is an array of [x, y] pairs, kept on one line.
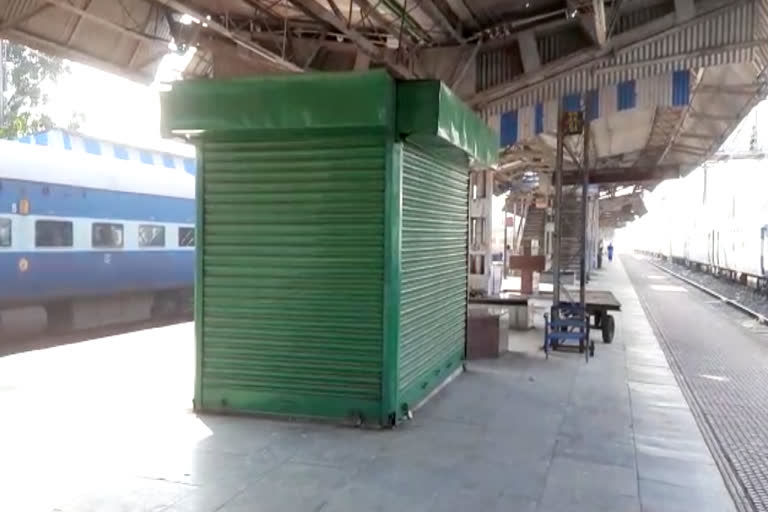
{"points": [[721, 38], [128, 37], [489, 12]]}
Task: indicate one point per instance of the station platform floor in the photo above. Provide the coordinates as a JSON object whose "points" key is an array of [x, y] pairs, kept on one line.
{"points": [[105, 425]]}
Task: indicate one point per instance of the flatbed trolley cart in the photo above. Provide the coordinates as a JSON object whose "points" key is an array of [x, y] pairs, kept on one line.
{"points": [[599, 304], [574, 323]]}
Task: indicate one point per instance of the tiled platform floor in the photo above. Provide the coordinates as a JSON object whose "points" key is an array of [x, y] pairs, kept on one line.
{"points": [[105, 426]]}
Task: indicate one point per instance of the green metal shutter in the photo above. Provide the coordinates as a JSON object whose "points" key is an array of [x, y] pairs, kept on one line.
{"points": [[292, 272], [434, 271]]}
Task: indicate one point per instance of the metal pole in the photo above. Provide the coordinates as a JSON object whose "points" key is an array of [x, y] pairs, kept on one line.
{"points": [[558, 205], [2, 83], [584, 221], [506, 256]]}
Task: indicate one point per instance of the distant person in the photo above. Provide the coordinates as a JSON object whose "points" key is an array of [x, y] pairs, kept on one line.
{"points": [[610, 251], [600, 255]]}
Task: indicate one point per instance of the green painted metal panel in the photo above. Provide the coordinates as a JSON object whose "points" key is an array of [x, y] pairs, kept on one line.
{"points": [[199, 242], [279, 102], [292, 275], [434, 271], [428, 112], [393, 225], [331, 271]]}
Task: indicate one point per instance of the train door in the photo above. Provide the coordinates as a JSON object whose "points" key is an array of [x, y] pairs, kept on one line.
{"points": [[763, 248]]}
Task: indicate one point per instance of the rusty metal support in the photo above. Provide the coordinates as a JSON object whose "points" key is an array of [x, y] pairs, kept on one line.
{"points": [[558, 209], [224, 31], [584, 223], [619, 175], [315, 10]]}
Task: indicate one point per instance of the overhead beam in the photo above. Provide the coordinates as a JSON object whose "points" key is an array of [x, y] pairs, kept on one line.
{"points": [[462, 11], [48, 46], [22, 17], [598, 21], [705, 116], [594, 19], [687, 148], [438, 16], [529, 51], [225, 32], [700, 136], [620, 175], [591, 15], [104, 22], [684, 10], [594, 57], [315, 10], [367, 9], [76, 29], [733, 90], [468, 63]]}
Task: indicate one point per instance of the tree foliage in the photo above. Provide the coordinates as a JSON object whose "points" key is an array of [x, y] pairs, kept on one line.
{"points": [[26, 73]]}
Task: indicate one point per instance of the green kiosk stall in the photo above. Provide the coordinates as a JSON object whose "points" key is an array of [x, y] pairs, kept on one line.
{"points": [[331, 241]]}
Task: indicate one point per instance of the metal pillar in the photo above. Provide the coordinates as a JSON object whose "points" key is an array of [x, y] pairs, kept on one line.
{"points": [[2, 82], [584, 221], [558, 208], [569, 320], [506, 256]]}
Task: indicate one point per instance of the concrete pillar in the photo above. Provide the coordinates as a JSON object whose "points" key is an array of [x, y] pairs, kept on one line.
{"points": [[529, 52], [594, 22], [362, 62], [480, 230], [684, 10]]}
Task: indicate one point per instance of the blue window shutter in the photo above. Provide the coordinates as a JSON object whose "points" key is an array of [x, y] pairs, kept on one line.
{"points": [[41, 138], [91, 146], [681, 88], [189, 166], [508, 128], [26, 139], [572, 102], [626, 95], [538, 122], [592, 105], [146, 157], [121, 152], [67, 141], [168, 161]]}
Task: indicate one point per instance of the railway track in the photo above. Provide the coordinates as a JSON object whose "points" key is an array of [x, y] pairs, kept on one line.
{"points": [[727, 300], [23, 343]]}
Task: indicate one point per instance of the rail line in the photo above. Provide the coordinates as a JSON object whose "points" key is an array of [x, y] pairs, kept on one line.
{"points": [[737, 305], [25, 343]]}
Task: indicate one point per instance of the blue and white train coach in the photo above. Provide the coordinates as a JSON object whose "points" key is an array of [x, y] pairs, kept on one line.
{"points": [[77, 226]]}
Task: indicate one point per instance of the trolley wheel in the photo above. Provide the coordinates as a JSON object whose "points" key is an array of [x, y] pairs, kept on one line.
{"points": [[609, 327]]}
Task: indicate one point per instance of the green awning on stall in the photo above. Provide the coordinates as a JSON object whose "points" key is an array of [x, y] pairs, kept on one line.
{"points": [[428, 108], [426, 111], [279, 102]]}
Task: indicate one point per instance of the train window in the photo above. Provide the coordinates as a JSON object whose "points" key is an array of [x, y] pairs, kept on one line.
{"points": [[106, 235], [5, 232], [151, 236], [186, 237], [53, 233]]}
